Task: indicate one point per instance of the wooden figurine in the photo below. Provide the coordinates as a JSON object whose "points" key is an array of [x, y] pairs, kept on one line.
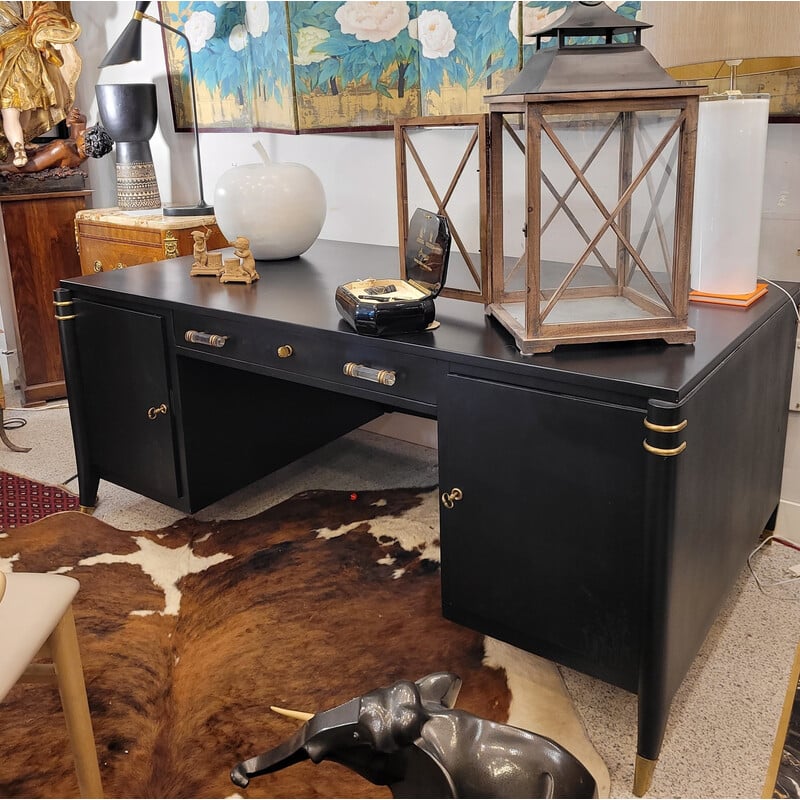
{"points": [[241, 269], [203, 263]]}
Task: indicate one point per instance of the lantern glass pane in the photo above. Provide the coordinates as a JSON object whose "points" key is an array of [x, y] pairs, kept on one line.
{"points": [[654, 200], [514, 216], [607, 215], [442, 174]]}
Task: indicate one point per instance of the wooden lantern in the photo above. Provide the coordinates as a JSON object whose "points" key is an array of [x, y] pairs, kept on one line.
{"points": [[608, 142]]}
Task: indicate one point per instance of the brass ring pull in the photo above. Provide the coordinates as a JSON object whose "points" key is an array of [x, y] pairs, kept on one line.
{"points": [[449, 499], [664, 451], [98, 266], [120, 265], [154, 411], [285, 351]]}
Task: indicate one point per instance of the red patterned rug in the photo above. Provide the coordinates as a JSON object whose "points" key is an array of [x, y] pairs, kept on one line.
{"points": [[23, 500]]}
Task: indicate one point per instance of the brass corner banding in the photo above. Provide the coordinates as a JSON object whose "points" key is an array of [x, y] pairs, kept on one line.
{"points": [[61, 304], [664, 451], [666, 428]]}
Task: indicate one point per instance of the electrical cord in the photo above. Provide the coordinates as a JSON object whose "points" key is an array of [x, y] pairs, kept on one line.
{"points": [[46, 407], [763, 585], [777, 286], [13, 423]]}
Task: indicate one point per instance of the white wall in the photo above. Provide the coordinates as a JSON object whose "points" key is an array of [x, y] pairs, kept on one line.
{"points": [[358, 171]]}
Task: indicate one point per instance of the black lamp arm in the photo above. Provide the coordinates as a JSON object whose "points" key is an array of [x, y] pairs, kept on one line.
{"points": [[140, 15]]}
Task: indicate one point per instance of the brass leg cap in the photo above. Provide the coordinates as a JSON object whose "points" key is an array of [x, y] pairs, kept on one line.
{"points": [[643, 775], [87, 509]]}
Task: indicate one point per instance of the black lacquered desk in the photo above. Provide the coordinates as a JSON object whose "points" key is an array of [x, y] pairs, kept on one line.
{"points": [[608, 494]]}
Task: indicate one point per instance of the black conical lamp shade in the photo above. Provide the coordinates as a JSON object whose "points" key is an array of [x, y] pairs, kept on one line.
{"points": [[129, 45], [127, 48]]}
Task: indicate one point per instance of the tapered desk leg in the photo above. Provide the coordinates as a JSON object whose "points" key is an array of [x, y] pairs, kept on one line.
{"points": [[664, 443], [653, 714], [88, 478]]}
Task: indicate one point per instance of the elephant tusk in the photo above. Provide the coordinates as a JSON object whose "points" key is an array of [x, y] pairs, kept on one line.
{"points": [[288, 712]]}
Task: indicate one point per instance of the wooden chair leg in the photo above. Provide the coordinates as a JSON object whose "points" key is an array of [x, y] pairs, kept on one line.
{"points": [[67, 659]]}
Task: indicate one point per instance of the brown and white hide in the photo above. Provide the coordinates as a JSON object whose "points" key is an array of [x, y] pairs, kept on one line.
{"points": [[188, 634]]}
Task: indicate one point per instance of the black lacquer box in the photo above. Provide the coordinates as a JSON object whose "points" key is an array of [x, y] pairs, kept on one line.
{"points": [[386, 306]]}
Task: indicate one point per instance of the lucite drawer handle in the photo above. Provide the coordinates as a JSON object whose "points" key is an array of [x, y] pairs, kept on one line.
{"points": [[209, 339], [386, 377]]}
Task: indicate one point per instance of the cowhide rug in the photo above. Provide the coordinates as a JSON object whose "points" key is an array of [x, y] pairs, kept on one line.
{"points": [[188, 634]]}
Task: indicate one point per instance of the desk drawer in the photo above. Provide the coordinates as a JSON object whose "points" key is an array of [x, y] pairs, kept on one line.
{"points": [[346, 360], [102, 231]]}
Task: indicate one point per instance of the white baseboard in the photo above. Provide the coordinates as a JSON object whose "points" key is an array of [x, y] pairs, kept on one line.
{"points": [[416, 430], [788, 526]]}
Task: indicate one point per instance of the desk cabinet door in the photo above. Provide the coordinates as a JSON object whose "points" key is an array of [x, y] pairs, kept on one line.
{"points": [[126, 384], [544, 548]]}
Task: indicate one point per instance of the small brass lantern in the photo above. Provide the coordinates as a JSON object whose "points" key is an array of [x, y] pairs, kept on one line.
{"points": [[608, 142]]}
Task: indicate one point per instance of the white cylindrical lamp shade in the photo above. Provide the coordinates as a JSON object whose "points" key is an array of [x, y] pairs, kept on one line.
{"points": [[728, 193]]}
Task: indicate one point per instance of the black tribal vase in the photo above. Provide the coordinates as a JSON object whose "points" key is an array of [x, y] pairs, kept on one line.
{"points": [[129, 113]]}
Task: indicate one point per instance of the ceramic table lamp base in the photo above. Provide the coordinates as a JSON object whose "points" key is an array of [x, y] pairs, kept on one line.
{"points": [[137, 187], [129, 113]]}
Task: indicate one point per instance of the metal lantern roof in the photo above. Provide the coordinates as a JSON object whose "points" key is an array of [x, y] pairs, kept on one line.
{"points": [[609, 66]]}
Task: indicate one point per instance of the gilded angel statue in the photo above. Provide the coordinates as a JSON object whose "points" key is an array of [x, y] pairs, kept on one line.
{"points": [[39, 68]]}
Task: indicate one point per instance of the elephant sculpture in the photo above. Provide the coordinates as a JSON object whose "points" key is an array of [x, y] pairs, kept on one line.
{"points": [[408, 737]]}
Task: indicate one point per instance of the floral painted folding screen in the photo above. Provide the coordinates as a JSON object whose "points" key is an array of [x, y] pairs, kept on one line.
{"points": [[298, 67]]}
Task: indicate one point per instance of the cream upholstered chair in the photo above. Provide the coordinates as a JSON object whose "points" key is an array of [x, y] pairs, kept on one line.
{"points": [[36, 621]]}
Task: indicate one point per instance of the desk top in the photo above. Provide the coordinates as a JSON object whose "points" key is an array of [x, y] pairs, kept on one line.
{"points": [[300, 292]]}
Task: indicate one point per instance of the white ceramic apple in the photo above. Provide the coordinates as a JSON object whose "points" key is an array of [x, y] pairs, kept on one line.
{"points": [[279, 207]]}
